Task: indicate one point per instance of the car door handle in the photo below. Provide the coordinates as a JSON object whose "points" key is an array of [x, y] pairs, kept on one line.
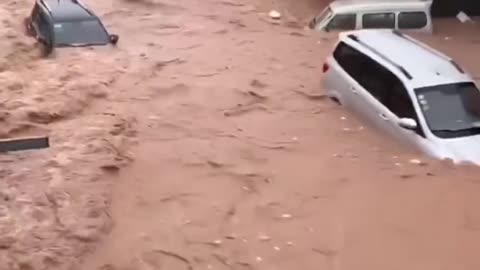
{"points": [[383, 116], [353, 90]]}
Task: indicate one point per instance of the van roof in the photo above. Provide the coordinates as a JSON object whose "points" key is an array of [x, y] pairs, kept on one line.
{"points": [[67, 10], [420, 64], [345, 6]]}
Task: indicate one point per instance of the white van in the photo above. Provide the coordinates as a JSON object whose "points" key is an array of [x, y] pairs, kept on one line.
{"points": [[403, 15]]}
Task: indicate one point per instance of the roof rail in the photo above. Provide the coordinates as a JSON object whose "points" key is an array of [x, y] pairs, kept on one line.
{"points": [[430, 49], [399, 67]]}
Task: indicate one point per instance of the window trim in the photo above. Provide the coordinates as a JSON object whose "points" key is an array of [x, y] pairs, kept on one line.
{"points": [[379, 13]]}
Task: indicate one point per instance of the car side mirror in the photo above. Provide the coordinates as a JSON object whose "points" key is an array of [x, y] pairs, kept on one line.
{"points": [[114, 39], [408, 123]]}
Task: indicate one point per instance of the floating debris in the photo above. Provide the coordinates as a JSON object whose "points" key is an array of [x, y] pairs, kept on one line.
{"points": [[416, 162], [264, 237], [217, 242], [275, 15], [463, 17], [231, 236]]}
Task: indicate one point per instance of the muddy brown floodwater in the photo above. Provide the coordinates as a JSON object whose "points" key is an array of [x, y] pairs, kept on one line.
{"points": [[204, 141]]}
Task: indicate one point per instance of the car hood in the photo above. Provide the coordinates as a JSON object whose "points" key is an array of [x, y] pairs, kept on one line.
{"points": [[462, 150]]}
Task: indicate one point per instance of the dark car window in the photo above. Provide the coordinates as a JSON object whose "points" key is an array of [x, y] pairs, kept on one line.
{"points": [[362, 69], [349, 59], [87, 32], [451, 110], [379, 20], [399, 102], [43, 26], [412, 20], [343, 22], [381, 83]]}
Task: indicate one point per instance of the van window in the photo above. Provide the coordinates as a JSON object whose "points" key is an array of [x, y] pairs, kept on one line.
{"points": [[412, 20], [379, 20], [342, 22], [380, 82]]}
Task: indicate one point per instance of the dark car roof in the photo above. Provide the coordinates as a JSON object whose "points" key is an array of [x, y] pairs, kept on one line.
{"points": [[67, 10]]}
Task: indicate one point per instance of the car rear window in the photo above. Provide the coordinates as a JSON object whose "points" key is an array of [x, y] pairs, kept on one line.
{"points": [[379, 20], [412, 20], [86, 32]]}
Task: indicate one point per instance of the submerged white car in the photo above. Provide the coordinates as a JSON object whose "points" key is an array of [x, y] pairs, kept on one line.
{"points": [[407, 89], [403, 15]]}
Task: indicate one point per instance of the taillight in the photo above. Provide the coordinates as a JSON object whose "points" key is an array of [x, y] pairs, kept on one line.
{"points": [[325, 67]]}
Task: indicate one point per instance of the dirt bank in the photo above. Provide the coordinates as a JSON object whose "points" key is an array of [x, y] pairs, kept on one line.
{"points": [[239, 161]]}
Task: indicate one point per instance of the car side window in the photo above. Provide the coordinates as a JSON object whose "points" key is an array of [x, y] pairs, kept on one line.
{"points": [[389, 90], [378, 20], [43, 26], [342, 22], [412, 20], [400, 103], [361, 68], [349, 59]]}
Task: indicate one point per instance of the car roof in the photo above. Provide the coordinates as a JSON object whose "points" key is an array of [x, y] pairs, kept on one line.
{"points": [[345, 6], [420, 64], [67, 10]]}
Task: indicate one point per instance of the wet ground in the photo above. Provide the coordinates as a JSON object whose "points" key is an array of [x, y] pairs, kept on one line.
{"points": [[235, 158]]}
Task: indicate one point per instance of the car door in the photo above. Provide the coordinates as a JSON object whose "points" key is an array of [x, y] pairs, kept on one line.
{"points": [[371, 92], [398, 104]]}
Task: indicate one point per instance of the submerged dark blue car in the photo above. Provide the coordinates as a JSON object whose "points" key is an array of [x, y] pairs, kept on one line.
{"points": [[66, 23]]}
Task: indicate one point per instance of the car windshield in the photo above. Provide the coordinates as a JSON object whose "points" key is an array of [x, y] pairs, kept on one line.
{"points": [[78, 33], [451, 110]]}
